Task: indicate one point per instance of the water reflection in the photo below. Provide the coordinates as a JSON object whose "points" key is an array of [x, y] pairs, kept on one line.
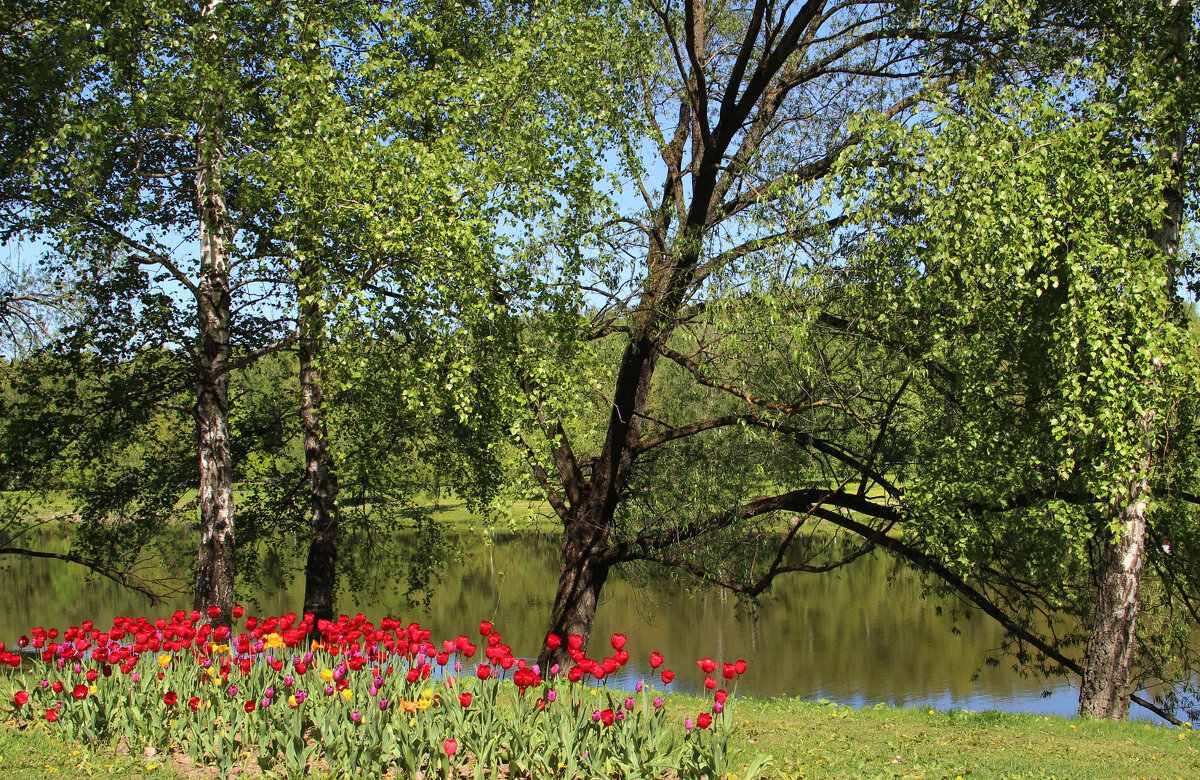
{"points": [[859, 636]]}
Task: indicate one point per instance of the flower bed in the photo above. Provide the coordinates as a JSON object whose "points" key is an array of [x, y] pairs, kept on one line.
{"points": [[367, 700]]}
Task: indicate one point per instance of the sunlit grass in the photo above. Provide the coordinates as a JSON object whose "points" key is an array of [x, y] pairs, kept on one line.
{"points": [[34, 753]]}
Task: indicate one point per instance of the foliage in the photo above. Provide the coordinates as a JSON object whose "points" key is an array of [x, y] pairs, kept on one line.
{"points": [[1014, 270]]}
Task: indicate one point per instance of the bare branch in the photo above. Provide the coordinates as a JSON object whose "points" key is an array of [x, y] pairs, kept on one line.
{"points": [[151, 588], [786, 409]]}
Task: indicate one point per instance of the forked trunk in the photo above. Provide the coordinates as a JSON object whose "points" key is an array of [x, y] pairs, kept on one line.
{"points": [[321, 569], [581, 577]]}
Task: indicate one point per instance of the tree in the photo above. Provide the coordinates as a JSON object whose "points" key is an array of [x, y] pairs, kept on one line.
{"points": [[1166, 64], [1029, 273], [747, 110]]}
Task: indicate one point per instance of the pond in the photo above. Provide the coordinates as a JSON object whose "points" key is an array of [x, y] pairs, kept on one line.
{"points": [[859, 636]]}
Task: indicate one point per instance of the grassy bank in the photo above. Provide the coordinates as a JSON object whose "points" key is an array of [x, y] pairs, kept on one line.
{"points": [[814, 740], [806, 740]]}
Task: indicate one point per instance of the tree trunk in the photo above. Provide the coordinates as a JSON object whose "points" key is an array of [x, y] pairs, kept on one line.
{"points": [[215, 567], [582, 574], [1108, 665], [321, 568]]}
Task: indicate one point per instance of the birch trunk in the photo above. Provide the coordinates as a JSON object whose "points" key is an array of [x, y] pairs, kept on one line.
{"points": [[1108, 664], [215, 567]]}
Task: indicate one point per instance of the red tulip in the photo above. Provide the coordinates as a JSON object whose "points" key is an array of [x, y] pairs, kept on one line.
{"points": [[464, 699], [91, 675], [704, 720], [656, 660], [710, 683], [721, 696], [667, 676], [575, 642], [740, 666], [450, 746], [20, 698], [485, 627], [194, 703], [607, 717], [238, 612], [553, 641], [169, 698], [80, 692], [707, 664], [727, 671], [484, 671], [618, 641], [249, 706], [51, 715], [214, 613]]}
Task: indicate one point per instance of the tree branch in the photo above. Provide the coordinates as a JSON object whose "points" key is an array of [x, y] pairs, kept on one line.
{"points": [[149, 588]]}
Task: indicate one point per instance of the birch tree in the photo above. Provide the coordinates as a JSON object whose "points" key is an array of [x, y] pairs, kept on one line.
{"points": [[1030, 268]]}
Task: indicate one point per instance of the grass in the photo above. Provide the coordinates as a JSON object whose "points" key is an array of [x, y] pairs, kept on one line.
{"points": [[808, 740], [35, 754], [826, 740]]}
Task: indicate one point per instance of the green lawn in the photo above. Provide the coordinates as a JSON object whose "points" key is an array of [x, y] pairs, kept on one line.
{"points": [[815, 740]]}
